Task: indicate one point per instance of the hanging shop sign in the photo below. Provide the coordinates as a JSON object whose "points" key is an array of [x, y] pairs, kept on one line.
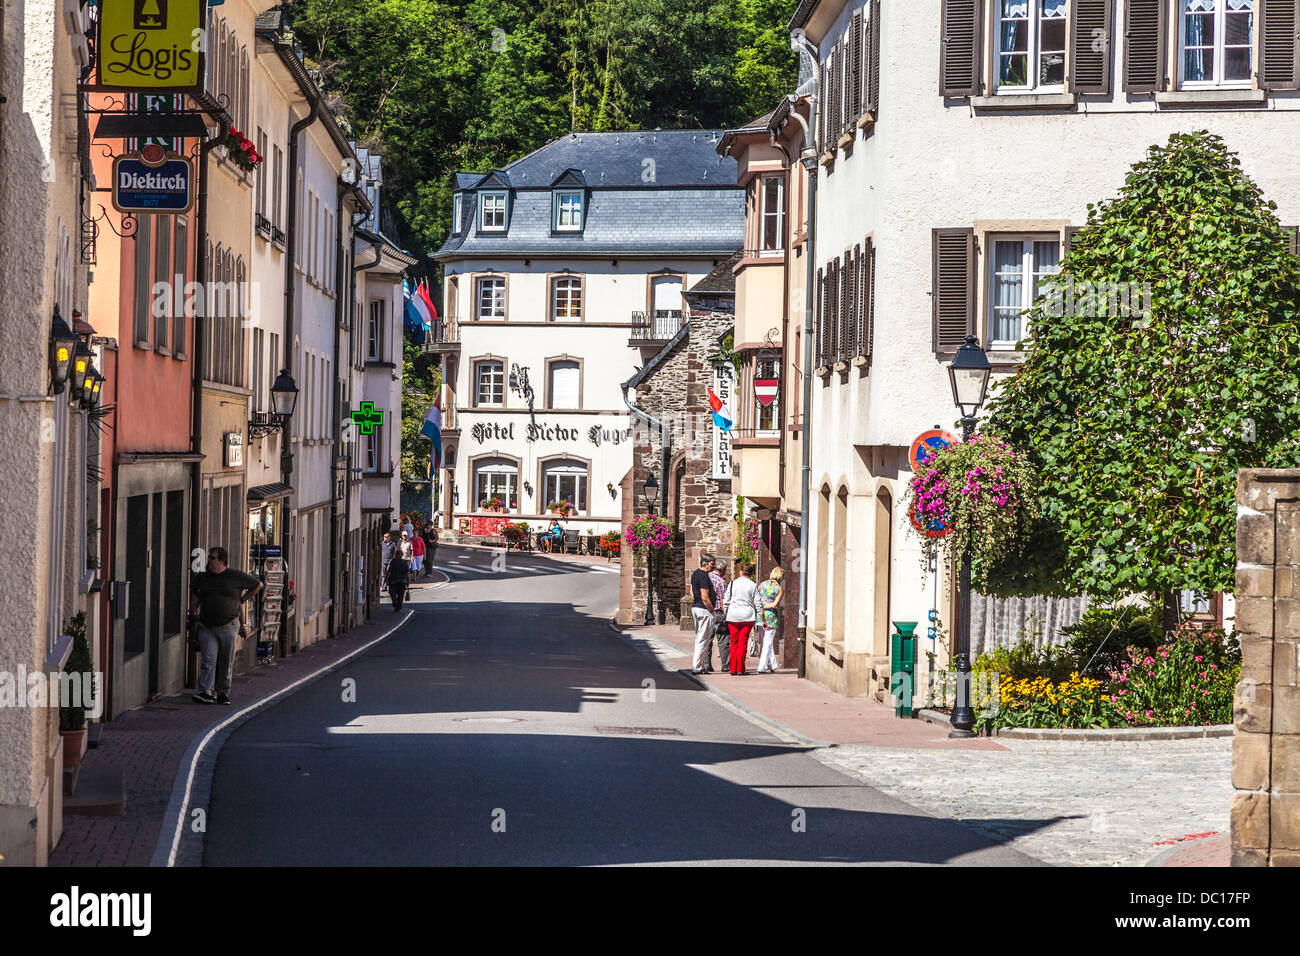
{"points": [[765, 390], [153, 180], [234, 449], [152, 45], [722, 381]]}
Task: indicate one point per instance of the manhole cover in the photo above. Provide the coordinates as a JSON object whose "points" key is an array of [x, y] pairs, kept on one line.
{"points": [[488, 720], [643, 731]]}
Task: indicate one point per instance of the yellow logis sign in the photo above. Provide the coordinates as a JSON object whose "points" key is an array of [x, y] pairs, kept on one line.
{"points": [[151, 44]]}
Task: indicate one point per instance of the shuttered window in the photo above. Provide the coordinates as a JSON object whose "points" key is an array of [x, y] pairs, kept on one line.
{"points": [[143, 290], [1090, 43], [872, 96], [1292, 239], [1144, 44], [820, 343], [1031, 45], [1216, 40], [954, 287], [833, 312], [180, 268], [821, 109], [855, 83], [867, 314], [959, 60], [855, 304], [845, 269], [1279, 57], [162, 283], [565, 382]]}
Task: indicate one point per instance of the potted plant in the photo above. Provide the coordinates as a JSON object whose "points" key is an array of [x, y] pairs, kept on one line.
{"points": [[495, 504], [562, 507], [610, 543], [72, 714], [240, 149], [515, 533]]}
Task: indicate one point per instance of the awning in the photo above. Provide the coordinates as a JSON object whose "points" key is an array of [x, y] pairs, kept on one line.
{"points": [[133, 125], [260, 493]]}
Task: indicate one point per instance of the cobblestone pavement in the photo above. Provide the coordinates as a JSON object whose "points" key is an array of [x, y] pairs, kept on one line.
{"points": [[1099, 804]]}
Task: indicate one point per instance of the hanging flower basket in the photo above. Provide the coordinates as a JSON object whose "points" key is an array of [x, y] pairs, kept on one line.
{"points": [[976, 495], [648, 533]]}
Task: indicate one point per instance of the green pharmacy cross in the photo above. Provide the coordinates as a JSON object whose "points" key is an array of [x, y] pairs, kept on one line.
{"points": [[367, 418]]}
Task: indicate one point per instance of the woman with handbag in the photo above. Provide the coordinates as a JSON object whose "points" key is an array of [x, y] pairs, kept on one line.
{"points": [[770, 593], [721, 632], [741, 609]]}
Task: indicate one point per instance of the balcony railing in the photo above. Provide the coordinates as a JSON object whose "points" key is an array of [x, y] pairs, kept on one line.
{"points": [[442, 336], [658, 326]]}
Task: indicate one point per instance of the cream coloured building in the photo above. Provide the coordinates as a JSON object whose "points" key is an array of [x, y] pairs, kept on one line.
{"points": [[959, 144], [564, 271]]}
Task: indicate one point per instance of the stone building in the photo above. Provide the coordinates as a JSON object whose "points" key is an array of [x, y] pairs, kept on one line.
{"points": [[672, 388]]}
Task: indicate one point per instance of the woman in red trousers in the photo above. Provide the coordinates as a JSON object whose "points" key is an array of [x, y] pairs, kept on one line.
{"points": [[740, 607]]}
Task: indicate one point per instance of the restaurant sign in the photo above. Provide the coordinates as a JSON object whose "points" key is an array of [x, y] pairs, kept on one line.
{"points": [[152, 45], [152, 180]]}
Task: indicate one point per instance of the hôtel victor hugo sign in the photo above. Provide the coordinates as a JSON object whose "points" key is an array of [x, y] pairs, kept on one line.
{"points": [[151, 45], [483, 432]]}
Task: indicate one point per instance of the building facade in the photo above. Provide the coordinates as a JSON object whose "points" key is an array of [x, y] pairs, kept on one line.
{"points": [[564, 271], [1004, 152]]}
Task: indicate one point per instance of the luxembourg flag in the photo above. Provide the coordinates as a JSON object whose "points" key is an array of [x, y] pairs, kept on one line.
{"points": [[422, 305], [721, 413], [432, 430]]}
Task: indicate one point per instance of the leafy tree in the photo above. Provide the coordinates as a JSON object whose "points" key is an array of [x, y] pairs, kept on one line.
{"points": [[421, 380], [1137, 423]]}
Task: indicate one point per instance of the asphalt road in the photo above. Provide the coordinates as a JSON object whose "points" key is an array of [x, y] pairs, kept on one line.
{"points": [[508, 724]]}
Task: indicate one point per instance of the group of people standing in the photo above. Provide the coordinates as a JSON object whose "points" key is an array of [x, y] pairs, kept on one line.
{"points": [[403, 557], [727, 612]]}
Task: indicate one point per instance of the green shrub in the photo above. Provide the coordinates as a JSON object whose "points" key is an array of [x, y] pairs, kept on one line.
{"points": [[1188, 680], [1099, 642], [1025, 662], [74, 718]]}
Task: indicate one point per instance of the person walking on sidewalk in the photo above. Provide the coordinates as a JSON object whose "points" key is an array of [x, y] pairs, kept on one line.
{"points": [[390, 548], [417, 553], [769, 606], [217, 599], [407, 549], [397, 580], [718, 577], [740, 605], [430, 548], [702, 605]]}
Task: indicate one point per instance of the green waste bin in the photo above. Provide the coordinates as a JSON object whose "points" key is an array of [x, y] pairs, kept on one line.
{"points": [[902, 667]]}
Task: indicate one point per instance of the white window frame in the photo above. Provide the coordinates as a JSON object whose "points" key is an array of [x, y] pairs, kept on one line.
{"points": [[375, 331], [550, 383], [494, 196], [561, 195], [574, 300], [765, 184], [1033, 53], [1027, 274], [479, 314], [562, 470], [1219, 15], [457, 208], [499, 386]]}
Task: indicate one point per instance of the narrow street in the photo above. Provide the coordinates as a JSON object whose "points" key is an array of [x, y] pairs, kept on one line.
{"points": [[509, 724]]}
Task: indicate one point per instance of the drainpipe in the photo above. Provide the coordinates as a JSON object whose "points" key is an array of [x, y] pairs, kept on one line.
{"points": [[336, 424], [799, 43], [201, 269], [787, 165], [665, 443], [290, 261]]}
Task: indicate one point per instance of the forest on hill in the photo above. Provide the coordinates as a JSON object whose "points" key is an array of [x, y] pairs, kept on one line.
{"points": [[442, 85]]}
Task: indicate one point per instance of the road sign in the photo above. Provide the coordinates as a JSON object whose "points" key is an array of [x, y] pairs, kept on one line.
{"points": [[152, 180], [926, 444]]}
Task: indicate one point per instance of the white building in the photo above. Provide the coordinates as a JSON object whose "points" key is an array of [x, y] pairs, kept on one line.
{"points": [[941, 201], [563, 272]]}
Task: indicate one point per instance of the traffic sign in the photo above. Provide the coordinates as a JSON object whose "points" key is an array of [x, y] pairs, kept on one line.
{"points": [[926, 444]]}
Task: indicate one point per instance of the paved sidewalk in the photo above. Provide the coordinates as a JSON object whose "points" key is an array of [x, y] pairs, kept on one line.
{"points": [[150, 742], [1162, 803]]}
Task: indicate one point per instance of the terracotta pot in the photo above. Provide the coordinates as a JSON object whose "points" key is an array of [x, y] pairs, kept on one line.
{"points": [[74, 746]]}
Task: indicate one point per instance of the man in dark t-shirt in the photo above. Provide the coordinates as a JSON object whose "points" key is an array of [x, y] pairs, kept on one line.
{"points": [[702, 613], [217, 598]]}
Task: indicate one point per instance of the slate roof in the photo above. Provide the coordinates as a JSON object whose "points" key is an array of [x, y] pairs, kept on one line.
{"points": [[691, 204], [722, 279]]}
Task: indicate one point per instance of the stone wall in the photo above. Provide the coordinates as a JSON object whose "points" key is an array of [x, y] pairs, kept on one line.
{"points": [[1266, 708], [677, 392]]}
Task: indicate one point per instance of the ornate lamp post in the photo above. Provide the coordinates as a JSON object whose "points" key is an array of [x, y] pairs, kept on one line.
{"points": [[651, 493], [969, 376]]}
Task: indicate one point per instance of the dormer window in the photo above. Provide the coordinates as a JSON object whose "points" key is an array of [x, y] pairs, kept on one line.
{"points": [[456, 209], [493, 216], [568, 211]]}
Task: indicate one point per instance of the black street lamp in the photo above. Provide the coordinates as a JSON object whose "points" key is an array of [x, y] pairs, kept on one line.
{"points": [[284, 395], [89, 388], [62, 344], [969, 375], [651, 493], [81, 358]]}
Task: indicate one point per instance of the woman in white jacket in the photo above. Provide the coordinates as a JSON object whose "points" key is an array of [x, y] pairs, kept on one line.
{"points": [[740, 606]]}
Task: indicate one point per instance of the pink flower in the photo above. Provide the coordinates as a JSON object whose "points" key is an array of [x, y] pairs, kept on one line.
{"points": [[1213, 667], [1148, 660], [1148, 713], [1205, 693], [1163, 652], [1198, 658]]}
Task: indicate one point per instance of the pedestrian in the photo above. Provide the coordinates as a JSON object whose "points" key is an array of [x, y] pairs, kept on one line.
{"points": [[721, 633], [702, 605], [740, 606], [397, 580], [417, 554], [430, 548], [407, 527], [217, 599], [770, 593], [389, 549], [406, 548]]}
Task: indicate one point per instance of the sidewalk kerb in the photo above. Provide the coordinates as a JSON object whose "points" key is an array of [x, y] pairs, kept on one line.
{"points": [[744, 710], [177, 808]]}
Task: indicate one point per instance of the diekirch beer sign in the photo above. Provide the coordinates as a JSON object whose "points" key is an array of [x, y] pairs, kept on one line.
{"points": [[152, 180], [151, 45]]}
